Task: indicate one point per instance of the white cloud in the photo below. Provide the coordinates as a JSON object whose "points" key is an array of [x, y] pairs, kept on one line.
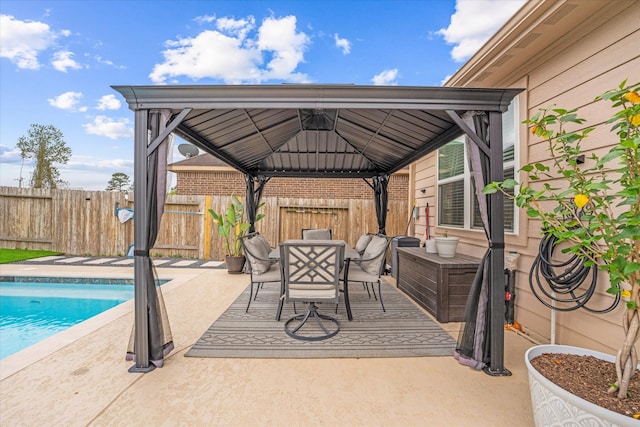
{"points": [[101, 60], [230, 54], [90, 163], [22, 41], [287, 48], [474, 22], [108, 102], [10, 154], [447, 77], [91, 173], [343, 44], [105, 126], [237, 27], [204, 19], [386, 78], [67, 101], [63, 60]]}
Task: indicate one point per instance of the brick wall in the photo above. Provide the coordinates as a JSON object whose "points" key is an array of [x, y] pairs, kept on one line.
{"points": [[225, 183]]}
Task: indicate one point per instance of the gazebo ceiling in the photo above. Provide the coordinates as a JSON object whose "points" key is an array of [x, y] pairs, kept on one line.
{"points": [[317, 130]]}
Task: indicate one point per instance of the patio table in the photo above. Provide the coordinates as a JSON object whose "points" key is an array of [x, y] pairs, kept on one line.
{"points": [[349, 254]]}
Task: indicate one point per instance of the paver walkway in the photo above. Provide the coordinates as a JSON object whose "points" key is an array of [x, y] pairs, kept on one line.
{"points": [[123, 262]]}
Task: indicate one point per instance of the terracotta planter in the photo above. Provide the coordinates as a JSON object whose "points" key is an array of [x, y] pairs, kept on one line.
{"points": [[235, 264], [553, 405], [447, 246]]}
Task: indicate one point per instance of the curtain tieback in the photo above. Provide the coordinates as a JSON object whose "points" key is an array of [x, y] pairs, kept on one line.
{"points": [[139, 252]]}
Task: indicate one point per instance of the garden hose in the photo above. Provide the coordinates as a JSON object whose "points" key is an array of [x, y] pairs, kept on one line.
{"points": [[563, 286]]}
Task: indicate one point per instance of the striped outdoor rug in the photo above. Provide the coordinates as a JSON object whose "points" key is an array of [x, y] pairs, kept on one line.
{"points": [[402, 331]]}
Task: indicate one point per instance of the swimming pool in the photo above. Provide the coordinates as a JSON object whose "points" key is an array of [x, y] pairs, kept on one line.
{"points": [[35, 308]]}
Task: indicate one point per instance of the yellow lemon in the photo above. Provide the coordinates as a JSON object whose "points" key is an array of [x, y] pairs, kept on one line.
{"points": [[632, 97], [580, 200], [635, 120]]}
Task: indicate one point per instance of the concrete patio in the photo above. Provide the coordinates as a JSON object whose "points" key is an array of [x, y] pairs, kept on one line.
{"points": [[79, 377]]}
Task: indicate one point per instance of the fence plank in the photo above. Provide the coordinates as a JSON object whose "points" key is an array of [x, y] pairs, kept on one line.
{"points": [[80, 222]]}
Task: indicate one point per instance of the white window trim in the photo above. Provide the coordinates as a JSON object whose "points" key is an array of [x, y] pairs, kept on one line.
{"points": [[466, 177]]}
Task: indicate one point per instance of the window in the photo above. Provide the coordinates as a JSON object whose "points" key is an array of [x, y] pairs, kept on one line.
{"points": [[457, 205]]}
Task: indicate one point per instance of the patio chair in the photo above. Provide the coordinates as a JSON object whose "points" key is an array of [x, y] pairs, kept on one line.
{"points": [[262, 269], [371, 265], [317, 234], [311, 274]]}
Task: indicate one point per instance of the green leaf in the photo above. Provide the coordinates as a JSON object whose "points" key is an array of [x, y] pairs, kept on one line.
{"points": [[613, 290], [630, 267], [533, 213], [490, 189], [509, 183], [569, 118]]}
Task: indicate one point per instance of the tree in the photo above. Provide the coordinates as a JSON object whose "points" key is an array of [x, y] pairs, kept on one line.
{"points": [[119, 182], [46, 145]]}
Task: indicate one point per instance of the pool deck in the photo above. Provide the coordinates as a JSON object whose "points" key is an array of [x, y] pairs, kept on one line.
{"points": [[79, 377]]}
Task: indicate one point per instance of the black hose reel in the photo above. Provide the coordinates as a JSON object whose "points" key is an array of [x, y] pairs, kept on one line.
{"points": [[561, 282]]}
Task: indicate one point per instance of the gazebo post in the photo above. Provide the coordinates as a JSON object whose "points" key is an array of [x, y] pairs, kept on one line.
{"points": [[496, 263], [140, 226]]}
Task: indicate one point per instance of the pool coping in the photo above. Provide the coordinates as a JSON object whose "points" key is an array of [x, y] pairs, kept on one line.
{"points": [[25, 357]]}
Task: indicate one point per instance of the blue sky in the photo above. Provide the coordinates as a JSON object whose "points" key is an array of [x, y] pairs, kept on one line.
{"points": [[58, 59]]}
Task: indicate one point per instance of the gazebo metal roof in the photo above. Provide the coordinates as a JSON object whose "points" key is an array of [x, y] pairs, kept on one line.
{"points": [[317, 130]]}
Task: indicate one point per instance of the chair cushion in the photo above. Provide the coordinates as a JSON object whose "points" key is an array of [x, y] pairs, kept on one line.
{"points": [[319, 234], [362, 243], [267, 246], [273, 274], [258, 255], [373, 257], [315, 293], [259, 238], [357, 274]]}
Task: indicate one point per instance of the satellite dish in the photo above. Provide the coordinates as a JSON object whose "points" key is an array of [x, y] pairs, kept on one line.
{"points": [[187, 150]]}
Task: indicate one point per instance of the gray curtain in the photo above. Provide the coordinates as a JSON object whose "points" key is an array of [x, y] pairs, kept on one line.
{"points": [[380, 184], [160, 341], [253, 198], [473, 341]]}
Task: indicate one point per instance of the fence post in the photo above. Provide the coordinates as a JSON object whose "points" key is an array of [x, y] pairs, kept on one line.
{"points": [[206, 240]]}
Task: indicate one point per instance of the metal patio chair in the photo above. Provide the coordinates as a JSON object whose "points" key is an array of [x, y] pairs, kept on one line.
{"points": [[311, 274], [317, 234], [263, 269], [371, 266]]}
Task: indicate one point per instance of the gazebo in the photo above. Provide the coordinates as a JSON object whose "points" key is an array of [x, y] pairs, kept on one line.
{"points": [[333, 131]]}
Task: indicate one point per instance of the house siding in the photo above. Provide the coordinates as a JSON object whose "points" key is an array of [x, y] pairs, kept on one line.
{"points": [[569, 71]]}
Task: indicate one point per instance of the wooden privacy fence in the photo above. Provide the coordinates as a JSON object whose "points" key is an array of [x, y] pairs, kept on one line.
{"points": [[84, 223]]}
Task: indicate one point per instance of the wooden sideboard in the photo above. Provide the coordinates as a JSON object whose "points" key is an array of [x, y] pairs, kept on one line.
{"points": [[440, 285]]}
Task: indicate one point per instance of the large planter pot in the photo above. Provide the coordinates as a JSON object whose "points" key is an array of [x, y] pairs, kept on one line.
{"points": [[555, 406], [235, 264], [447, 246]]}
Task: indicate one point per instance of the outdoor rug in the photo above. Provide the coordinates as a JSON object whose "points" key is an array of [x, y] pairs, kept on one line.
{"points": [[402, 331]]}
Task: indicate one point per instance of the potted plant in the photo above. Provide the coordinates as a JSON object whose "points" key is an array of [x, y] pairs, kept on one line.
{"points": [[231, 227], [447, 245], [594, 213]]}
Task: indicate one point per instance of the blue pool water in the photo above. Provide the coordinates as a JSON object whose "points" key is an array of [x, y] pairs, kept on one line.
{"points": [[33, 311]]}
